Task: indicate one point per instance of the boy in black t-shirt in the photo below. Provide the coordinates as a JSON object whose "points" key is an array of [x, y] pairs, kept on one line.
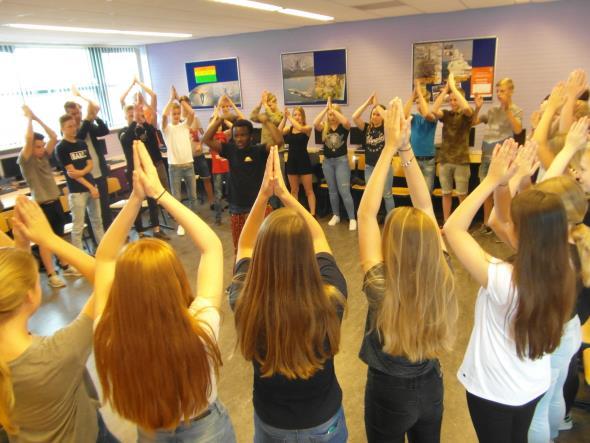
{"points": [[247, 162], [76, 163]]}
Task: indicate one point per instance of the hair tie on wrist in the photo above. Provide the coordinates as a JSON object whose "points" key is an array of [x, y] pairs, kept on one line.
{"points": [[160, 196], [408, 163]]}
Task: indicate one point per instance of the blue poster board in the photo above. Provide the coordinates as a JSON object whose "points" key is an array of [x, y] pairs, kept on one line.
{"points": [[472, 61], [309, 78], [208, 80]]}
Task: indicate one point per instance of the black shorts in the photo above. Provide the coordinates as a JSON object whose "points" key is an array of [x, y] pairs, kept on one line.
{"points": [[55, 215], [201, 166]]}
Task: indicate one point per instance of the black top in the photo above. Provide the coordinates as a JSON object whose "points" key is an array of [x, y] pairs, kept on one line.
{"points": [[296, 404], [373, 143], [335, 142], [96, 128], [372, 347], [583, 299], [247, 171], [68, 153], [144, 132], [297, 142]]}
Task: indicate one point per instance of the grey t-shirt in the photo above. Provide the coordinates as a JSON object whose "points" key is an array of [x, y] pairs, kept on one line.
{"points": [[96, 173], [55, 400], [499, 127], [39, 176]]}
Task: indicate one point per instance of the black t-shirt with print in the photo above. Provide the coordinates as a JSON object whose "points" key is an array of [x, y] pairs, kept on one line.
{"points": [[373, 143], [335, 142], [296, 404], [247, 167], [76, 154]]}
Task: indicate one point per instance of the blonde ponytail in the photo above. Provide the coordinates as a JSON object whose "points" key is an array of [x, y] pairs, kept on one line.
{"points": [[18, 275]]}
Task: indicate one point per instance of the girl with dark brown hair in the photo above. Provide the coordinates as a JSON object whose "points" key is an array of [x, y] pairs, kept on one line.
{"points": [[521, 308], [288, 296], [155, 343]]}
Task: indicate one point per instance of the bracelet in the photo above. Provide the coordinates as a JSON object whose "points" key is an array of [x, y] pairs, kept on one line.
{"points": [[160, 196], [404, 150], [408, 163]]}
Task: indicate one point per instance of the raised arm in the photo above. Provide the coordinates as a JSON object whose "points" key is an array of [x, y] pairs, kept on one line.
{"points": [[153, 96], [277, 136], [341, 119], [32, 222], [29, 136], [439, 101], [126, 93], [318, 121], [357, 117], [476, 119], [168, 107], [423, 106], [188, 112], [368, 227], [463, 103], [237, 111], [209, 136], [576, 140], [210, 271], [576, 84], [456, 229], [554, 103], [306, 129]]}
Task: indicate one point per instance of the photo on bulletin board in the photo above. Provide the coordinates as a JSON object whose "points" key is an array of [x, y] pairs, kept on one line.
{"points": [[472, 62], [309, 78], [208, 80]]}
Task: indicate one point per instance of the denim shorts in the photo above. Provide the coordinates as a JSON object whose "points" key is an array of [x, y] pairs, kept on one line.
{"points": [[459, 173], [332, 431]]}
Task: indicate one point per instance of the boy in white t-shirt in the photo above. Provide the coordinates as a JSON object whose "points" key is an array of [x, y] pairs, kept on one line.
{"points": [[180, 152]]}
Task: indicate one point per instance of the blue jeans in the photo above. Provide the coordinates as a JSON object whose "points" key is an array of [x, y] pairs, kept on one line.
{"points": [[218, 180], [332, 431], [184, 172], [214, 428], [551, 408], [387, 195], [337, 174], [428, 168], [80, 202]]}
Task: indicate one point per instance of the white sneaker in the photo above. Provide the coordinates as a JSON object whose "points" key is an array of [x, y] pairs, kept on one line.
{"points": [[334, 220], [352, 225], [566, 424], [55, 281], [70, 271], [180, 231]]}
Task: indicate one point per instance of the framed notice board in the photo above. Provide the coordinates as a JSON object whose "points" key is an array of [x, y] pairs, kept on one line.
{"points": [[472, 61], [210, 79], [309, 78]]}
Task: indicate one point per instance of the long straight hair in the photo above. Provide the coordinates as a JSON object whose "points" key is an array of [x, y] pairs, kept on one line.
{"points": [[154, 360], [286, 317], [18, 275], [326, 128], [543, 274], [418, 314]]}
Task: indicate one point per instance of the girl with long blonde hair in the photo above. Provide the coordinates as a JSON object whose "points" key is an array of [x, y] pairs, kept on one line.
{"points": [[412, 305], [46, 394], [288, 296], [523, 304], [336, 169], [298, 165], [155, 342]]}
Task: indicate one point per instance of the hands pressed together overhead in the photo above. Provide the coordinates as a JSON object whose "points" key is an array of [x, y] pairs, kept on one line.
{"points": [[273, 182]]}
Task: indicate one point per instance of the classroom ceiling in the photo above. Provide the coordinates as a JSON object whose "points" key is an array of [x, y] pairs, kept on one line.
{"points": [[201, 18]]}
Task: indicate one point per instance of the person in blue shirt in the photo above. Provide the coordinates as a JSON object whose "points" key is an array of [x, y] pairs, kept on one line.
{"points": [[423, 130]]}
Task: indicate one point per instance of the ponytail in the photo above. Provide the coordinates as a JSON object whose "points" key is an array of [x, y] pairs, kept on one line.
{"points": [[6, 399]]}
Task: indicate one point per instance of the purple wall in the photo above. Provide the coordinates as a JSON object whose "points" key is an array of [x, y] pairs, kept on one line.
{"points": [[537, 45]]}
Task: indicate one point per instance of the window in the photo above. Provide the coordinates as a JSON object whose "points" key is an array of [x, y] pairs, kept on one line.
{"points": [[42, 78]]}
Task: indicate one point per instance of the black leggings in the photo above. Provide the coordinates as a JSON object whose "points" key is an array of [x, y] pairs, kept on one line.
{"points": [[499, 423], [396, 406]]}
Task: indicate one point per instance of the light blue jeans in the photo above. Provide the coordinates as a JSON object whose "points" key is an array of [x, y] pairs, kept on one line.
{"points": [[428, 168], [80, 202], [337, 174], [551, 408], [387, 195], [332, 431], [184, 172], [214, 428]]}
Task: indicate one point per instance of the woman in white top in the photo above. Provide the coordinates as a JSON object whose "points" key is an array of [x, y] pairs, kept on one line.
{"points": [[521, 307], [155, 343]]}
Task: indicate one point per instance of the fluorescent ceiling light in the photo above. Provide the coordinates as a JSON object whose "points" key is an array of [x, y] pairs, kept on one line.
{"points": [[251, 4], [274, 8], [96, 30], [306, 14]]}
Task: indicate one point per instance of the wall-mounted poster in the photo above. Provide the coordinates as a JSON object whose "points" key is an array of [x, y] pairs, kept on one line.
{"points": [[472, 62], [208, 80], [309, 78]]}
